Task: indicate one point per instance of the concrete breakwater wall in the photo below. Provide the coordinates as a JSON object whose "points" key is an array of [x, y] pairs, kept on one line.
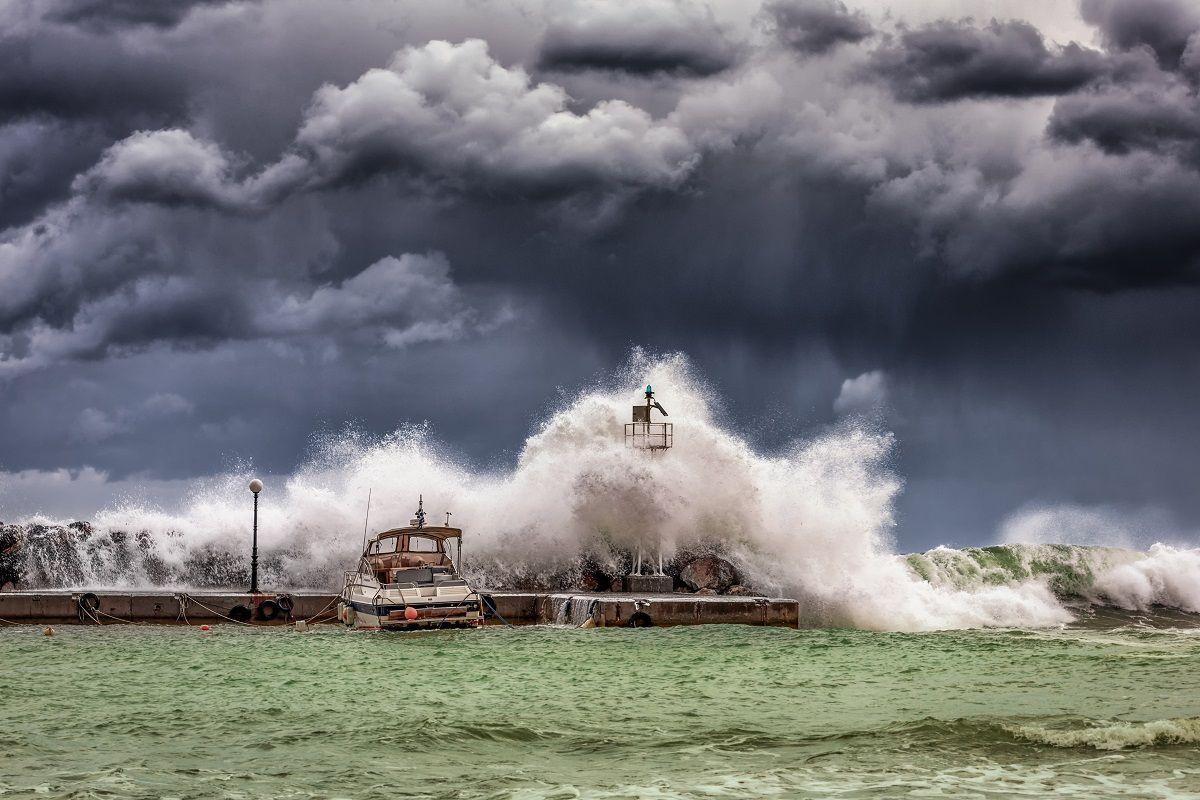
{"points": [[516, 608]]}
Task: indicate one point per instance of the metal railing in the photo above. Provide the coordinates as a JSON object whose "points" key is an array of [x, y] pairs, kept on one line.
{"points": [[649, 435]]}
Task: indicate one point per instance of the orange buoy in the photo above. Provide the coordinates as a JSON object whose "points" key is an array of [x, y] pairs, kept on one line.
{"points": [[411, 613]]}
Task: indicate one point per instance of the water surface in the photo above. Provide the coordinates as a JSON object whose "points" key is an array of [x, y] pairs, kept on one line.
{"points": [[1106, 709]]}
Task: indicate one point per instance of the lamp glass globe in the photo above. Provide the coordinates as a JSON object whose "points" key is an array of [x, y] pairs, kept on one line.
{"points": [[256, 486]]}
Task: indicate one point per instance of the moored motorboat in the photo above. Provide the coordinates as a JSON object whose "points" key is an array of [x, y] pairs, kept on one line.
{"points": [[407, 580]]}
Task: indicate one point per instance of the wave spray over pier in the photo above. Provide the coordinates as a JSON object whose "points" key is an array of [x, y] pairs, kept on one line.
{"points": [[812, 520]]}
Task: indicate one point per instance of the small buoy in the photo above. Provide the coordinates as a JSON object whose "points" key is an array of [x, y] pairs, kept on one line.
{"points": [[411, 613], [301, 625], [48, 632], [204, 628]]}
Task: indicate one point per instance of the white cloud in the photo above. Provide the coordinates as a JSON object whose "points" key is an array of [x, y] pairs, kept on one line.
{"points": [[403, 300], [452, 112], [168, 167], [862, 395]]}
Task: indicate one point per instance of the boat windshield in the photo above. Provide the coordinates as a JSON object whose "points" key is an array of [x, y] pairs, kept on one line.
{"points": [[419, 575], [385, 546], [422, 544]]}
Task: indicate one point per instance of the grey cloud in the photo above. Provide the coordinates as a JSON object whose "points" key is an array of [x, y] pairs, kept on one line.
{"points": [[817, 26], [107, 14], [231, 232], [444, 113], [453, 112], [1162, 25], [38, 160], [1162, 117], [395, 303], [95, 425], [954, 60], [676, 37], [74, 74], [1078, 219], [166, 167]]}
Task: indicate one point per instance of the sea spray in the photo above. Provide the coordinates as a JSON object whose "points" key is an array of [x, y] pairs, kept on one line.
{"points": [[813, 520]]}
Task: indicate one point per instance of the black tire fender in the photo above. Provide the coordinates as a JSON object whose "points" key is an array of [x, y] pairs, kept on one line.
{"points": [[639, 619], [268, 610], [240, 613], [86, 606]]}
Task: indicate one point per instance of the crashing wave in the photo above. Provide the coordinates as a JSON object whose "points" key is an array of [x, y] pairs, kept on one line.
{"points": [[813, 521], [1115, 735]]}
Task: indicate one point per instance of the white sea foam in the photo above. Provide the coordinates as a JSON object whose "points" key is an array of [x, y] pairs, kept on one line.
{"points": [[1116, 735], [813, 521], [1167, 575]]}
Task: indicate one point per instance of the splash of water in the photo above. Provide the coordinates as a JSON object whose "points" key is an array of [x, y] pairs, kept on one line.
{"points": [[813, 521]]}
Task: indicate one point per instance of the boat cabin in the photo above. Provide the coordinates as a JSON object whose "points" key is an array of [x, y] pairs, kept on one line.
{"points": [[412, 555]]}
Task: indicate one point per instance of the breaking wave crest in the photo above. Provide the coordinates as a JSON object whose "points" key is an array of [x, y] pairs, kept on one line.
{"points": [[1135, 581], [813, 521], [1115, 735]]}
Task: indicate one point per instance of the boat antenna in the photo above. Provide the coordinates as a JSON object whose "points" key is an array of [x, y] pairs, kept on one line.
{"points": [[448, 519], [420, 511], [367, 517]]}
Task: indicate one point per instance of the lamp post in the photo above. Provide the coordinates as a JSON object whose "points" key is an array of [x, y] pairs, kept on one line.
{"points": [[255, 486]]}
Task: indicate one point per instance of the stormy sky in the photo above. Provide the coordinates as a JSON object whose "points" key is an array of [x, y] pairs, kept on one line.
{"points": [[228, 226]]}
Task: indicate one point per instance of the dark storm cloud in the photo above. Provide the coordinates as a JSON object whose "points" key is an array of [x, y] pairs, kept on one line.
{"points": [[1161, 117], [38, 160], [953, 60], [106, 14], [65, 73], [676, 37], [1162, 25], [816, 26], [272, 237]]}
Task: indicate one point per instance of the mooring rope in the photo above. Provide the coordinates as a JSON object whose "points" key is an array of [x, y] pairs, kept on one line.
{"points": [[218, 613], [328, 605], [485, 599], [10, 622], [118, 619], [92, 614]]}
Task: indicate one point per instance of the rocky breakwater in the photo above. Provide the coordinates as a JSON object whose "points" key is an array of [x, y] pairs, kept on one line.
{"points": [[700, 574], [35, 555]]}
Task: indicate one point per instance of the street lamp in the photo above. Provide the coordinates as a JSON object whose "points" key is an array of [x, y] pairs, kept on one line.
{"points": [[256, 486]]}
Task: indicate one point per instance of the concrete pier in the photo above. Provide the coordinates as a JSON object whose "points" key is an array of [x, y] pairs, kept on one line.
{"points": [[169, 607], [160, 606]]}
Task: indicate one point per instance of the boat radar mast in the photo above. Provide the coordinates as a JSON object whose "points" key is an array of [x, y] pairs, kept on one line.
{"points": [[651, 437]]}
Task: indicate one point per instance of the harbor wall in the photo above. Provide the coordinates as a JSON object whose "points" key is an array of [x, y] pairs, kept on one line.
{"points": [[516, 608]]}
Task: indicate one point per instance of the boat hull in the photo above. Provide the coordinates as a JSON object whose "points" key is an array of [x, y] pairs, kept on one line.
{"points": [[430, 616]]}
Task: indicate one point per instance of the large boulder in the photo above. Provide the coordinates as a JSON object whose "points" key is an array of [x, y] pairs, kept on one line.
{"points": [[709, 572]]}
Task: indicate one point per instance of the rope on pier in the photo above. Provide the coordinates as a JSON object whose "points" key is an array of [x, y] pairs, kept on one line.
{"points": [[328, 605], [87, 610], [218, 613], [487, 600], [118, 619]]}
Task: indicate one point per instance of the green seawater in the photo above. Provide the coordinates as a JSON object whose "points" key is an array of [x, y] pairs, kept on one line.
{"points": [[1104, 709]]}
